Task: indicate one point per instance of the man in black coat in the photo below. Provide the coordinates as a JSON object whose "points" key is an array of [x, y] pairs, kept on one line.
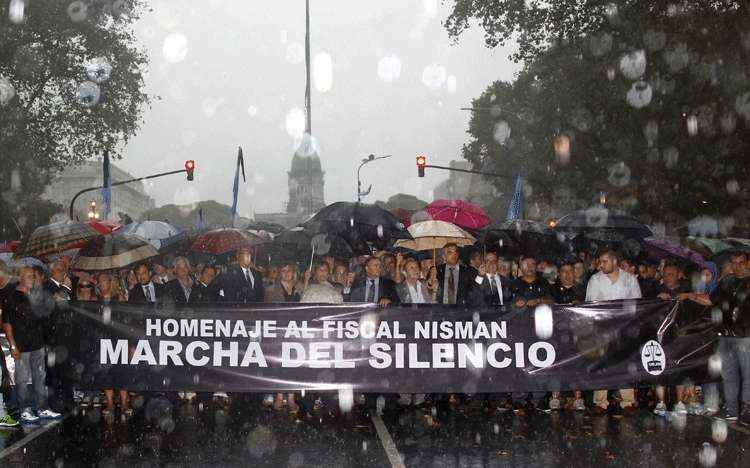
{"points": [[240, 283], [491, 289], [372, 287], [455, 288], [145, 291], [202, 289]]}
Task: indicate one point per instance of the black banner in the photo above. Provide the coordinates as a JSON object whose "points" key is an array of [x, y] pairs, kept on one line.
{"points": [[419, 349]]}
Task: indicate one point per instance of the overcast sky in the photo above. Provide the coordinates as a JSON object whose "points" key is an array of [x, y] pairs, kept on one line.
{"points": [[387, 80]]}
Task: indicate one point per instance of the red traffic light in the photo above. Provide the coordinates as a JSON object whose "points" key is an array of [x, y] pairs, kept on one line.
{"points": [[421, 163], [189, 168]]}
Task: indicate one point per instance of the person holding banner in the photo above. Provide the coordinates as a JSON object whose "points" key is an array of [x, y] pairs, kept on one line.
{"points": [[492, 289], [454, 287], [610, 284], [179, 290], [145, 291], [373, 287], [242, 282], [412, 290]]}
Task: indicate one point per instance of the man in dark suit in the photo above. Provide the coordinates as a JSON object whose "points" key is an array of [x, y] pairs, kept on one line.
{"points": [[180, 290], [491, 289], [456, 287], [145, 291], [202, 288], [241, 282], [373, 287]]}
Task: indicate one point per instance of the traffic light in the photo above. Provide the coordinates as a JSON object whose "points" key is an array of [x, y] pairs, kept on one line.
{"points": [[189, 168], [421, 163]]}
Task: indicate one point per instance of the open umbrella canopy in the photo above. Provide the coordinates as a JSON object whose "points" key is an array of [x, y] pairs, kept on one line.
{"points": [[273, 228], [430, 235], [58, 237], [221, 241], [520, 236], [601, 223], [9, 246], [459, 212], [359, 224], [113, 251], [300, 244], [158, 233], [662, 249], [706, 246]]}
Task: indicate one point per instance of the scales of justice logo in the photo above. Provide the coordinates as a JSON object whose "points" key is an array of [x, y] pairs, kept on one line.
{"points": [[653, 357]]}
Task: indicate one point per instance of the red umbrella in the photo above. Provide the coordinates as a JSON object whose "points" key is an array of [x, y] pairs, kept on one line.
{"points": [[459, 212], [221, 241]]}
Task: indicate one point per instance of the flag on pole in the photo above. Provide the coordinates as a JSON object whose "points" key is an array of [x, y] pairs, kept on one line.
{"points": [[515, 210], [199, 224], [235, 190], [106, 187]]}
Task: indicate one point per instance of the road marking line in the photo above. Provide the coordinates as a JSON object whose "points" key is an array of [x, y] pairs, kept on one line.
{"points": [[29, 438], [387, 441]]}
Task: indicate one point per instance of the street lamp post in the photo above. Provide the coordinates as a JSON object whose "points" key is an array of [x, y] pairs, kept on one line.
{"points": [[366, 160], [93, 214]]}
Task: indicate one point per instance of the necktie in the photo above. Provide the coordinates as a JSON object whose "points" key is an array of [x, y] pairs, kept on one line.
{"points": [[451, 287], [369, 292], [492, 284], [147, 290]]}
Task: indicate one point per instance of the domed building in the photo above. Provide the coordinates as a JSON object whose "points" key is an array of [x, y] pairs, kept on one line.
{"points": [[306, 179]]}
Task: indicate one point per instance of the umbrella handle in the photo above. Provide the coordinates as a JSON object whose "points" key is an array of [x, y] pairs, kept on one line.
{"points": [[312, 255]]}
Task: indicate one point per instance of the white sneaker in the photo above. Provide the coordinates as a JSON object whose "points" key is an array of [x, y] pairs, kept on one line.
{"points": [[554, 404], [661, 409], [29, 417], [49, 414], [579, 405], [680, 408]]}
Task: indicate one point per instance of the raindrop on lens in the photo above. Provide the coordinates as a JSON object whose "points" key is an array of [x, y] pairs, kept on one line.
{"points": [[389, 68], [543, 321], [88, 93], [175, 48], [7, 92], [692, 125], [346, 399], [640, 94], [16, 11], [434, 76], [77, 11], [501, 132], [733, 187], [633, 64], [707, 455], [98, 70], [719, 431], [106, 315], [714, 365]]}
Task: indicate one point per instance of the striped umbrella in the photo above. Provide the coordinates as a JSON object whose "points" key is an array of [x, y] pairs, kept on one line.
{"points": [[66, 235], [221, 241], [113, 251]]}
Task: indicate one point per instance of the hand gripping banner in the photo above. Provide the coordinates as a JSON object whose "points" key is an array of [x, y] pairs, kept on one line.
{"points": [[425, 349]]}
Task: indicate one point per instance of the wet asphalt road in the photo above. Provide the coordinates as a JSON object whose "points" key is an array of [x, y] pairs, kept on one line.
{"points": [[164, 435]]}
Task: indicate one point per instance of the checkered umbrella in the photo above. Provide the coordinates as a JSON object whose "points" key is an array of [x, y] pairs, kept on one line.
{"points": [[58, 237], [221, 241], [113, 251]]}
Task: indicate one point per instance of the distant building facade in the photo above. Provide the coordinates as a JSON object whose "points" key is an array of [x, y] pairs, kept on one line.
{"points": [[130, 199], [306, 187]]}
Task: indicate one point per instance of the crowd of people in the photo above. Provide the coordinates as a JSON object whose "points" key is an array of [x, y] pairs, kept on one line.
{"points": [[30, 297]]}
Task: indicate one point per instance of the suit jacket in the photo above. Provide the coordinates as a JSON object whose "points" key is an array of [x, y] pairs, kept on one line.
{"points": [[200, 293], [484, 295], [386, 289], [172, 291], [405, 297], [232, 286], [466, 277], [136, 294]]}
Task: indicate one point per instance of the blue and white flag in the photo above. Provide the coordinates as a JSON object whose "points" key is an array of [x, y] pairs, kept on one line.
{"points": [[515, 210], [106, 187], [236, 188]]}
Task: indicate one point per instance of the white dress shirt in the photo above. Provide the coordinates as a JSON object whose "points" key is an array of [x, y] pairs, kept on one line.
{"points": [[249, 276], [601, 288], [496, 282], [415, 293]]}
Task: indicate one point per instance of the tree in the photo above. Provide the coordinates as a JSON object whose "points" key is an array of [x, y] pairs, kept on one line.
{"points": [[71, 88], [646, 98]]}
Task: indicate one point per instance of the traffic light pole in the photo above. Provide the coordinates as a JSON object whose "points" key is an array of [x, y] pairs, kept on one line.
{"points": [[123, 182], [468, 171]]}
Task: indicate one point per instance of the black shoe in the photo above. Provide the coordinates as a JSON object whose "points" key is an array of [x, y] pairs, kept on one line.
{"points": [[744, 418]]}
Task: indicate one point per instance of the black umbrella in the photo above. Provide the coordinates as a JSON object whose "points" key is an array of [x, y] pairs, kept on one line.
{"points": [[113, 251], [273, 228], [358, 224], [519, 236], [299, 244], [602, 224], [724, 256]]}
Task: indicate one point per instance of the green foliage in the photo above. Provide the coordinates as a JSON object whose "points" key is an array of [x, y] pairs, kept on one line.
{"points": [[215, 215], [50, 115], [672, 156]]}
